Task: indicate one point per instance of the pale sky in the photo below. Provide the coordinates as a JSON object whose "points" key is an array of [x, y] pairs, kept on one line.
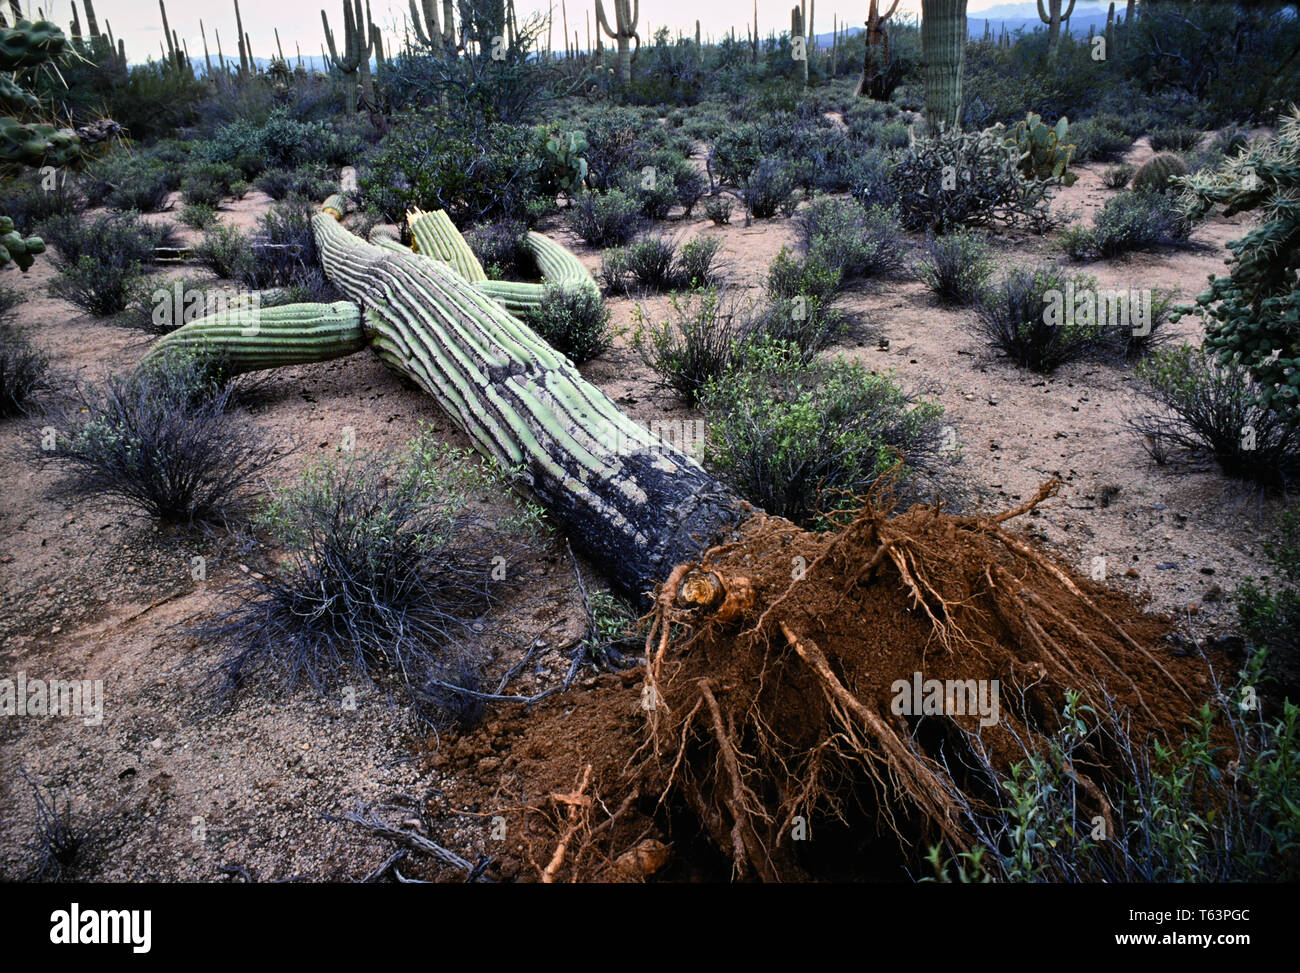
{"points": [[139, 22]]}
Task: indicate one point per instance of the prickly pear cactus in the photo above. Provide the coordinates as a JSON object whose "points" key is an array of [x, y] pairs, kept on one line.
{"points": [[27, 44], [1155, 173], [563, 154], [16, 248], [1041, 149]]}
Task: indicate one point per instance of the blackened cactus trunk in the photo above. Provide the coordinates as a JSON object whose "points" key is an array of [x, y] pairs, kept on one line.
{"points": [[943, 51], [634, 504]]}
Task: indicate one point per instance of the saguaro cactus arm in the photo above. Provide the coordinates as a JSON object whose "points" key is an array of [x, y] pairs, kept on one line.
{"points": [[1052, 16], [626, 15]]}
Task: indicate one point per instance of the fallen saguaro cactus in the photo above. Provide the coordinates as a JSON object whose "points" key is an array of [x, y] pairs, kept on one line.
{"points": [[635, 504]]}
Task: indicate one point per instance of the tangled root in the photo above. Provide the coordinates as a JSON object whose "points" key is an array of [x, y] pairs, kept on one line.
{"points": [[773, 671]]}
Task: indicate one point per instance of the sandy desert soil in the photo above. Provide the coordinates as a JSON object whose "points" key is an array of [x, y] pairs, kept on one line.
{"points": [[98, 593]]}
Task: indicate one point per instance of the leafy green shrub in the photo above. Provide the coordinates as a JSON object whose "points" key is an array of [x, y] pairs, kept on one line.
{"points": [[165, 440], [387, 564], [101, 289], [696, 343], [860, 241], [767, 188], [697, 262], [198, 216], [956, 267], [801, 321], [574, 321], [1138, 221], [1206, 408], [1096, 141], [800, 436], [604, 219], [24, 371], [718, 209], [812, 277], [225, 251], [1013, 316], [107, 239], [208, 183], [308, 183]]}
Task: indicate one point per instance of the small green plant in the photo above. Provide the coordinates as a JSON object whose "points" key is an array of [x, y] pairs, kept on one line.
{"points": [[802, 437], [956, 267], [767, 188], [1118, 176], [861, 241], [718, 209], [1139, 220], [199, 216], [24, 371], [811, 277], [574, 321], [1014, 316], [698, 342], [604, 219], [1175, 138]]}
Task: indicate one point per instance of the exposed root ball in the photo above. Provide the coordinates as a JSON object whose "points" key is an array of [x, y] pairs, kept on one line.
{"points": [[782, 675]]}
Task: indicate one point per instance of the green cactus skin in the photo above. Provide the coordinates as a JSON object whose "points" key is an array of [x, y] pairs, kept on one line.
{"points": [[436, 236], [1041, 150], [37, 144], [943, 50], [637, 505], [1156, 172], [566, 164], [626, 14], [27, 44], [15, 99], [250, 340]]}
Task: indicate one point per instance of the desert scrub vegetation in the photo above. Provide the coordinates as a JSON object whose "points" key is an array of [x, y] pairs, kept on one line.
{"points": [[167, 439], [1268, 610], [1138, 220], [956, 267], [859, 241], [101, 261], [24, 372], [1206, 409], [696, 342], [803, 437], [1174, 815], [656, 263], [604, 219], [381, 563], [1011, 316], [574, 321], [65, 843]]}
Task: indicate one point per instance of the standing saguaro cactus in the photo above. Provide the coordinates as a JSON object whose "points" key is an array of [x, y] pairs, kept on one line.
{"points": [[943, 51], [358, 40], [876, 64], [626, 15], [1051, 15], [797, 31]]}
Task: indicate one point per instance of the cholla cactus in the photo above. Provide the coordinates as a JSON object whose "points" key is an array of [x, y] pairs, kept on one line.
{"points": [[1251, 315]]}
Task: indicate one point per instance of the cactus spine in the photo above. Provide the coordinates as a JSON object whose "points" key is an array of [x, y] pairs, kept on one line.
{"points": [[626, 14], [943, 51]]}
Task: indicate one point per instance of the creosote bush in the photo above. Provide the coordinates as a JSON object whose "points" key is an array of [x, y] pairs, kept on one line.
{"points": [[861, 241], [956, 267], [788, 432], [166, 439], [24, 371], [604, 219], [1131, 221], [574, 321], [769, 188], [696, 343], [1012, 317], [1203, 408], [386, 561]]}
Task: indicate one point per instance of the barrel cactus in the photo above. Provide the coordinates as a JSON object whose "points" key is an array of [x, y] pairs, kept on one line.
{"points": [[1156, 173]]}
